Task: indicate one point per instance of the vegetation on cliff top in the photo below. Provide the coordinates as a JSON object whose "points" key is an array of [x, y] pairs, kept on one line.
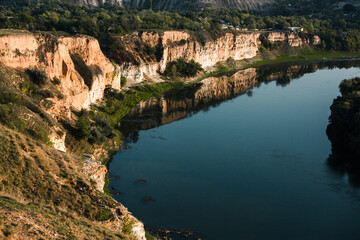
{"points": [[338, 31], [45, 185]]}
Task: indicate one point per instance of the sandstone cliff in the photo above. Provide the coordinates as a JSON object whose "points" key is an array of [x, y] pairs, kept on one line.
{"points": [[95, 171], [79, 72], [76, 61], [172, 45], [293, 39], [177, 44]]}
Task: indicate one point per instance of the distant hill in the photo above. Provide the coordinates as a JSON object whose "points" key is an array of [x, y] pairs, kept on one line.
{"points": [[196, 4], [284, 7], [172, 5]]}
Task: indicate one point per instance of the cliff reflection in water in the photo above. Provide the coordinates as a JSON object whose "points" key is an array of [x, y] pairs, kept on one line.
{"points": [[180, 103]]}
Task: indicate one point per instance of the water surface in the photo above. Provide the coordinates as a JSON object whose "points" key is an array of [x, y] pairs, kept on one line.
{"points": [[249, 167]]}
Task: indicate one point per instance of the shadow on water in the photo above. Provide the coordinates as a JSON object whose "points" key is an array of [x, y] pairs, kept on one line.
{"points": [[345, 166]]}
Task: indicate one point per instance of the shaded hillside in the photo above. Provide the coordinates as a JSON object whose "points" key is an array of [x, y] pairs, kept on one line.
{"points": [[47, 193], [181, 5], [173, 5]]}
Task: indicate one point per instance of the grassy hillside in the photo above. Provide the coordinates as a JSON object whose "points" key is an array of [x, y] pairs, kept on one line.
{"points": [[43, 191]]}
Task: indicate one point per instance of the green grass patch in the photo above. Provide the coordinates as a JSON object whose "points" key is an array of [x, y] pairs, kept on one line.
{"points": [[302, 55], [127, 225], [149, 236]]}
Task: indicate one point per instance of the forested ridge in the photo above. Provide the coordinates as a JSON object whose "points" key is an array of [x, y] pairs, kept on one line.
{"points": [[339, 29]]}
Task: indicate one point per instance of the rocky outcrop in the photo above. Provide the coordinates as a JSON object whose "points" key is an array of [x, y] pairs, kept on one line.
{"points": [[125, 221], [173, 45], [95, 171], [58, 140], [276, 36], [177, 44], [315, 40], [293, 39], [236, 46], [77, 62]]}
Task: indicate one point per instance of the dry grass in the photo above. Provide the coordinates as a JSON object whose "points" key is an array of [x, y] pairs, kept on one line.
{"points": [[32, 221]]}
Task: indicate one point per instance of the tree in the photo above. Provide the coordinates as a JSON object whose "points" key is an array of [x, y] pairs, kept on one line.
{"points": [[83, 128]]}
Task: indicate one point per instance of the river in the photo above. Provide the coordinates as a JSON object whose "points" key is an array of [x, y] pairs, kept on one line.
{"points": [[241, 157]]}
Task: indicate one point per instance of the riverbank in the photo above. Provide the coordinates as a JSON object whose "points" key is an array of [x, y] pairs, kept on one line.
{"points": [[253, 157], [282, 55], [344, 128], [125, 100]]}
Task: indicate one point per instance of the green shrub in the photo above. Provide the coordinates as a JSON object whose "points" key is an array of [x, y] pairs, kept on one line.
{"points": [[83, 128], [182, 68], [27, 88], [4, 114], [38, 76], [46, 93], [42, 134], [9, 97], [103, 214], [11, 119], [123, 81], [102, 129]]}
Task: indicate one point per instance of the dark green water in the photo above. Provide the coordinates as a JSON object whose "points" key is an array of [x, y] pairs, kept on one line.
{"points": [[253, 167]]}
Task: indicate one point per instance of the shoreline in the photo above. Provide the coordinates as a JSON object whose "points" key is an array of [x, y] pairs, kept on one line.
{"points": [[257, 63], [340, 56]]}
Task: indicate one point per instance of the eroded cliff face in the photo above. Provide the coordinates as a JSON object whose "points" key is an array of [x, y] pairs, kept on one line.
{"points": [[177, 44], [95, 171], [76, 61], [293, 39], [239, 46], [172, 45]]}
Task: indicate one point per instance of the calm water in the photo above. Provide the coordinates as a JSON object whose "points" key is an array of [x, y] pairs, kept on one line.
{"points": [[248, 168]]}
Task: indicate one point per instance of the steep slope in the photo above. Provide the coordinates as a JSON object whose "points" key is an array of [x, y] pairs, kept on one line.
{"points": [[75, 73], [44, 81], [206, 50], [78, 63]]}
